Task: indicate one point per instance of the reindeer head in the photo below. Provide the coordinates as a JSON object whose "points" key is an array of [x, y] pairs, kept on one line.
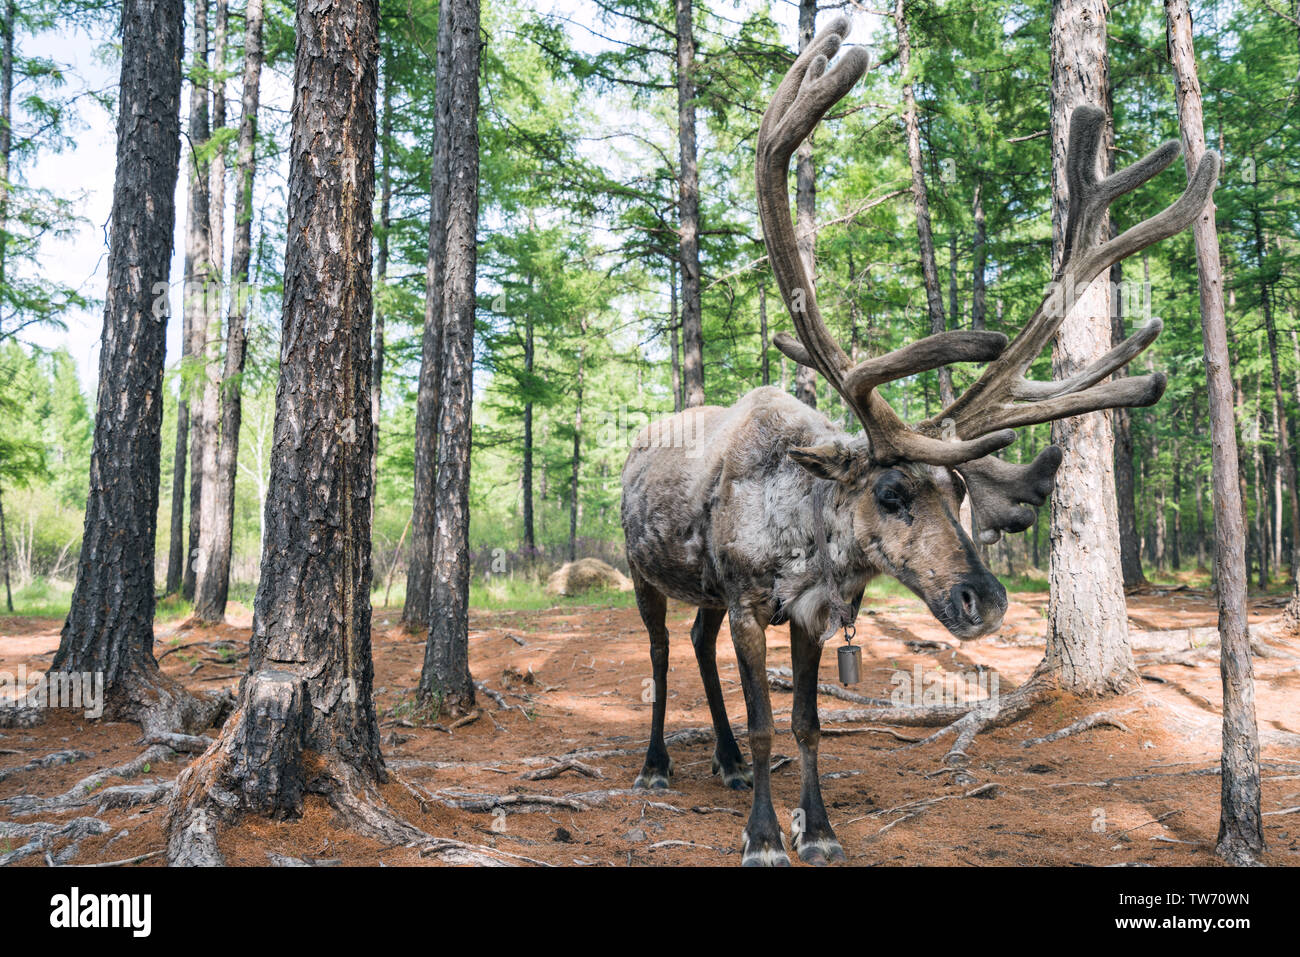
{"points": [[906, 479]]}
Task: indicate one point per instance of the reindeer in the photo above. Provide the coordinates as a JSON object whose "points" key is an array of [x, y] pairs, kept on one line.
{"points": [[767, 513]]}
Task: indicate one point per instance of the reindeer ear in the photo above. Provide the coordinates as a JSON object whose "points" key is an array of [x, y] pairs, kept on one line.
{"points": [[835, 461]]}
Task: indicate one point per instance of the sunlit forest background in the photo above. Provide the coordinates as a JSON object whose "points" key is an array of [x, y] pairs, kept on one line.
{"points": [[578, 337]]}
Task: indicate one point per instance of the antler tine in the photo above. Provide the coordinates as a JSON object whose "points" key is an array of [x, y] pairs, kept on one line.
{"points": [[1003, 495], [802, 99], [1002, 397]]}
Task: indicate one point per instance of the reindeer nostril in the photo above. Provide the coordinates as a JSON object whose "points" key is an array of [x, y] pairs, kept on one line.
{"points": [[967, 602]]}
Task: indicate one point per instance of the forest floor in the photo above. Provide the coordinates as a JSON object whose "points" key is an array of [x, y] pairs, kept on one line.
{"points": [[573, 679]]}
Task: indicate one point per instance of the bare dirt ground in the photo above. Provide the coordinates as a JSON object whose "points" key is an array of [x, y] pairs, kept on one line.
{"points": [[572, 682]]}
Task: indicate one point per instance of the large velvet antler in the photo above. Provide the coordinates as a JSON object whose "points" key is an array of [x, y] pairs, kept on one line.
{"points": [[983, 419]]}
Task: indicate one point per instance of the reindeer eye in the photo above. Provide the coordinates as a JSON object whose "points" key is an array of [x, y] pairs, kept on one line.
{"points": [[890, 495]]}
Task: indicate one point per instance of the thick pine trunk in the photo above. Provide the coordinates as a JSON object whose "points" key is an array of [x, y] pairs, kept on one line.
{"points": [[381, 273], [1241, 836], [415, 610], [1087, 640], [198, 277], [213, 585], [306, 720], [109, 628], [920, 195], [688, 250], [446, 674]]}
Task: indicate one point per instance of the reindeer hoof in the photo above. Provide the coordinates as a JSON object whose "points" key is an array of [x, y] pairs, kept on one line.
{"points": [[764, 853], [651, 779], [736, 775], [821, 852]]}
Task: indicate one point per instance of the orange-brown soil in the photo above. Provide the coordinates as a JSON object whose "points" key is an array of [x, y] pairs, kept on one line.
{"points": [[574, 680]]}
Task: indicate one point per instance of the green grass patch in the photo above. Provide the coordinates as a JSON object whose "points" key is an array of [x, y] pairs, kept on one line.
{"points": [[42, 598]]}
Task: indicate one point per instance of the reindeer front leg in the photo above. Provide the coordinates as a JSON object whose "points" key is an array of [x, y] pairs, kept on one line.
{"points": [[813, 838], [763, 842]]}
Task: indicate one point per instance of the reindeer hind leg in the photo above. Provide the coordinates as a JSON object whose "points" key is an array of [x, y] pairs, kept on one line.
{"points": [[658, 768]]}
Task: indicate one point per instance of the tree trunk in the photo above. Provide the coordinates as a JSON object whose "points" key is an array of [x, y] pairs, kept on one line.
{"points": [[381, 273], [1291, 617], [109, 628], [1176, 539], [689, 211], [1241, 835], [530, 534], [415, 610], [674, 335], [446, 661], [6, 134], [198, 276], [4, 557], [577, 456], [217, 172], [212, 587], [306, 719], [920, 196], [979, 262], [1283, 459], [762, 334], [1087, 638]]}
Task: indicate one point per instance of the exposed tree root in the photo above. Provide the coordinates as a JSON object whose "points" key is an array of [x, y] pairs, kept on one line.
{"points": [[867, 729], [83, 792], [781, 679], [41, 834], [555, 770], [457, 852], [185, 743], [51, 760], [916, 808], [964, 721], [1107, 718]]}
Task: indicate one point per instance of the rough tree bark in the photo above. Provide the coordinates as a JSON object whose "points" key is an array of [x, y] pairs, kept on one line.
{"points": [[576, 464], [198, 278], [415, 609], [305, 721], [1241, 835], [180, 563], [530, 531], [381, 268], [446, 674], [4, 557], [688, 212], [805, 377], [979, 262], [109, 628], [213, 584], [920, 195], [1087, 638]]}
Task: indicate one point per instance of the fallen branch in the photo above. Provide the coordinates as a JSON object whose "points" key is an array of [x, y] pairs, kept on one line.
{"points": [[130, 860]]}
